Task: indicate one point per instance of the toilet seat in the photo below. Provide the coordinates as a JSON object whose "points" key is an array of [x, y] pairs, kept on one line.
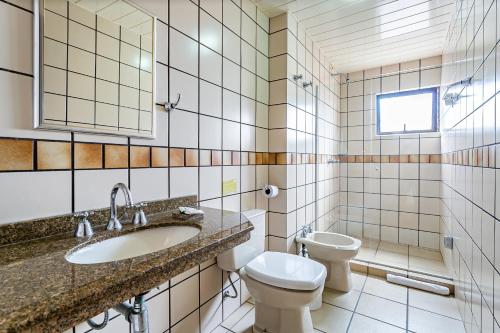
{"points": [[284, 270]]}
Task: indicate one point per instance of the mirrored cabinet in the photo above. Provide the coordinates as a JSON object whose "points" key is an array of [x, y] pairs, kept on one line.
{"points": [[95, 63]]}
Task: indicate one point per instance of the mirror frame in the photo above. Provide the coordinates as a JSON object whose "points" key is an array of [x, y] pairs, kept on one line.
{"points": [[38, 22]]}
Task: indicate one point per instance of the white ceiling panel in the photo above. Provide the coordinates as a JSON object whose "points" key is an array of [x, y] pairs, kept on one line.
{"points": [[358, 34]]}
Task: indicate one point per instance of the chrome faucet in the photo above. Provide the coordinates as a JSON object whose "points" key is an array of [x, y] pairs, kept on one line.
{"points": [[305, 230], [114, 223]]}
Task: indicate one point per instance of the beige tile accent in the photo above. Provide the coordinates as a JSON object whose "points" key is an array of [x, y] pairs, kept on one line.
{"points": [[176, 157], [159, 157], [53, 155], [357, 267], [16, 154], [424, 158], [282, 158], [236, 158], [414, 158], [394, 159], [115, 156], [376, 270], [191, 157], [384, 159], [258, 158], [88, 156], [435, 158], [216, 157], [265, 158], [251, 158], [139, 157]]}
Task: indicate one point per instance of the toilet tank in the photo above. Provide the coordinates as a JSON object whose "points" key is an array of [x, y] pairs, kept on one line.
{"points": [[240, 255]]}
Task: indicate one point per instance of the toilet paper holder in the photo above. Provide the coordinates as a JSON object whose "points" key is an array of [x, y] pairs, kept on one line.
{"points": [[270, 191]]}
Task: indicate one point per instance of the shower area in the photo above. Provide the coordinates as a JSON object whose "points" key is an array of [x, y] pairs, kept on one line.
{"points": [[389, 188], [335, 173]]}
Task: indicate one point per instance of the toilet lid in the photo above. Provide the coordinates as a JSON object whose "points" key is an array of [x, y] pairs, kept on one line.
{"points": [[287, 271]]}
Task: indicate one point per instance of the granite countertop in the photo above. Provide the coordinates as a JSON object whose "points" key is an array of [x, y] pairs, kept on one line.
{"points": [[46, 293]]}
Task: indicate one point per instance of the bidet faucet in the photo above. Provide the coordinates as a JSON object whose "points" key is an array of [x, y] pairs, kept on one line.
{"points": [[305, 230], [114, 223]]}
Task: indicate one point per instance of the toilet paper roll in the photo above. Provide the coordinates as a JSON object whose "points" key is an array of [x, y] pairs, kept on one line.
{"points": [[270, 191]]}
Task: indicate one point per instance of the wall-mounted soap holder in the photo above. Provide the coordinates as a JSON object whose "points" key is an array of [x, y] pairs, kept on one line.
{"points": [[170, 106]]}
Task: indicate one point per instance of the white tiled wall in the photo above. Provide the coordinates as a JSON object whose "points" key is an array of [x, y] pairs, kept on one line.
{"points": [[292, 116], [398, 201], [470, 209], [215, 53]]}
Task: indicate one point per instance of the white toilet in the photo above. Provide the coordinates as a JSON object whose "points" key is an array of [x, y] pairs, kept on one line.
{"points": [[335, 251], [281, 284]]}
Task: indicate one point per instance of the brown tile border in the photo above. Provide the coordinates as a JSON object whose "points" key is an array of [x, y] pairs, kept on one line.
{"points": [[115, 156], [88, 156], [159, 157], [191, 157], [216, 157], [53, 155], [140, 157], [484, 157], [404, 158], [176, 157], [16, 155]]}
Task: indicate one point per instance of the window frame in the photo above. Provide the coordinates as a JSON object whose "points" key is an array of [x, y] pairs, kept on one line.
{"points": [[435, 106]]}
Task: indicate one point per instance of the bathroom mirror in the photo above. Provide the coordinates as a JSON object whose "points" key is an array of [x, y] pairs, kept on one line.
{"points": [[94, 67]]}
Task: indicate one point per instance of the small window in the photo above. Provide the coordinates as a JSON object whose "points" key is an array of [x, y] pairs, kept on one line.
{"points": [[413, 111]]}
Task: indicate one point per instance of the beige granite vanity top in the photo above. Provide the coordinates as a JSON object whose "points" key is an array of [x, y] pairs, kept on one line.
{"points": [[45, 293]]}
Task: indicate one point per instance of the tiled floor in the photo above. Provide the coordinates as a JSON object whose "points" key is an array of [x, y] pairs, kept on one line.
{"points": [[374, 305], [403, 257]]}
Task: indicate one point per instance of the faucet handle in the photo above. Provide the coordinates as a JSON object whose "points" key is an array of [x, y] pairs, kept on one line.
{"points": [[139, 216], [84, 229], [84, 214]]}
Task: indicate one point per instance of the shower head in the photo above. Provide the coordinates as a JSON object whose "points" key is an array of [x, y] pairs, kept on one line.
{"points": [[306, 84]]}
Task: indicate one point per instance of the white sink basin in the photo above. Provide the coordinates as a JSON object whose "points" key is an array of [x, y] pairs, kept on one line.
{"points": [[132, 245]]}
